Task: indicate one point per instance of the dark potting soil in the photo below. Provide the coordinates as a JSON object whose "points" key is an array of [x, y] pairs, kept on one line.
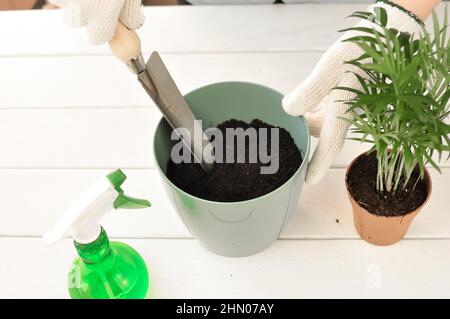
{"points": [[362, 185], [232, 182]]}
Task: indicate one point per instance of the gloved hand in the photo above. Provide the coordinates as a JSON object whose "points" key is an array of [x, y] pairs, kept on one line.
{"points": [[324, 107], [101, 16]]}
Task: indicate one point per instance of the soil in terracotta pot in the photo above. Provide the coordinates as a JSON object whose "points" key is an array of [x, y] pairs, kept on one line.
{"points": [[232, 182], [362, 186]]}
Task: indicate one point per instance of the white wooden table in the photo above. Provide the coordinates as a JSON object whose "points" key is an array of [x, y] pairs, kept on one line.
{"points": [[70, 112]]}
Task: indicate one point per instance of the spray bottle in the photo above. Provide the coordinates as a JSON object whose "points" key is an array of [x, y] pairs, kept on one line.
{"points": [[103, 269]]}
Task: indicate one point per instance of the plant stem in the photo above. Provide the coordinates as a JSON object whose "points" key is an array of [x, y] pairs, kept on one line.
{"points": [[399, 172]]}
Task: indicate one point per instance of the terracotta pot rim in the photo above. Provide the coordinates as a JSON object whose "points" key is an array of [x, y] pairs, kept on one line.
{"points": [[429, 183]]}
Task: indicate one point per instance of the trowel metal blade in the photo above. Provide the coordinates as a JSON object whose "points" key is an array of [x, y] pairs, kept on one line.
{"points": [[165, 93]]}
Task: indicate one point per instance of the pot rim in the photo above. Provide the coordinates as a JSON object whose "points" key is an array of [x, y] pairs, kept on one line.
{"points": [[427, 174], [297, 172]]}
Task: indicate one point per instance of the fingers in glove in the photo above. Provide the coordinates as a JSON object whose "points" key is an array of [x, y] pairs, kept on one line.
{"points": [[103, 18], [332, 138], [315, 122], [318, 85], [100, 31], [132, 15], [334, 131], [74, 15]]}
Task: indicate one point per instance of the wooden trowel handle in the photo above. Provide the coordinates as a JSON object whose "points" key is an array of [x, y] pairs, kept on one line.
{"points": [[126, 44]]}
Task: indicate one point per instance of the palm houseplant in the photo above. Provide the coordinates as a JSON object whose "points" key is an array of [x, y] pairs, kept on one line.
{"points": [[401, 109]]}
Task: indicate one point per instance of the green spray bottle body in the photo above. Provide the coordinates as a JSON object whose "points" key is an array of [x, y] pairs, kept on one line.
{"points": [[103, 269], [108, 270]]}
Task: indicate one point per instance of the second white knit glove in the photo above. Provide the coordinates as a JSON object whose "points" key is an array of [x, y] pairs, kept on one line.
{"points": [[324, 107], [101, 16]]}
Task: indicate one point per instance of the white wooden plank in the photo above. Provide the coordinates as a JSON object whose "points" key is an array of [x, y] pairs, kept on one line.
{"points": [[34, 200], [324, 211], [78, 138], [189, 29], [42, 196], [192, 29], [289, 269], [103, 81], [93, 138]]}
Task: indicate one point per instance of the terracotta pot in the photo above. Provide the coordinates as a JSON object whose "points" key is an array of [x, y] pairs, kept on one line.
{"points": [[381, 230]]}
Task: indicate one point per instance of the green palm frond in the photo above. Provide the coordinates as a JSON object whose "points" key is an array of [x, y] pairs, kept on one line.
{"points": [[403, 104]]}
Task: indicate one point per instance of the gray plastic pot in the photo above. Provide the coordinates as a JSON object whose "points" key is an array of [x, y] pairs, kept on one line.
{"points": [[240, 228]]}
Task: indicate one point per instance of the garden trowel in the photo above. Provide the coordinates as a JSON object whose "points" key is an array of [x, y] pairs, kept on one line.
{"points": [[159, 85]]}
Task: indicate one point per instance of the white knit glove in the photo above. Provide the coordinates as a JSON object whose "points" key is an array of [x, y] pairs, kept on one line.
{"points": [[322, 106], [101, 16]]}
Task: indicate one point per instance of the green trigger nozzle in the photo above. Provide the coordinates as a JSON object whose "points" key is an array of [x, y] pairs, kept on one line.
{"points": [[117, 178]]}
